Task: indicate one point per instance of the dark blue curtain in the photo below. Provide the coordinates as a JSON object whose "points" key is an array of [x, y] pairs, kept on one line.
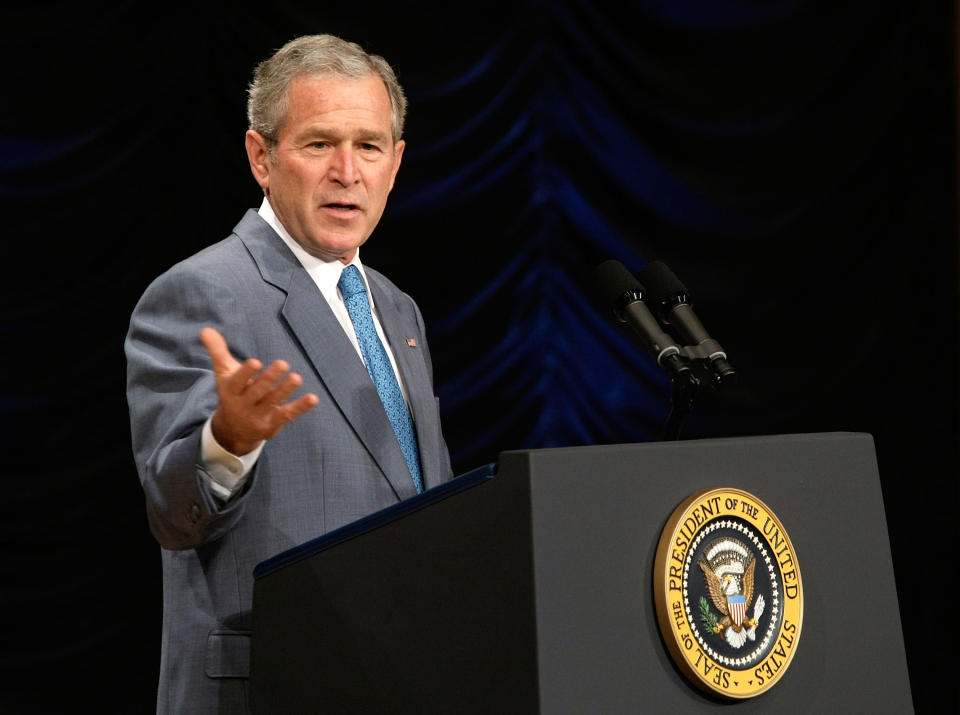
{"points": [[793, 161]]}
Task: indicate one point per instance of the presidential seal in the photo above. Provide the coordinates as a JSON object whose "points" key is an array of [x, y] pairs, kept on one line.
{"points": [[728, 594]]}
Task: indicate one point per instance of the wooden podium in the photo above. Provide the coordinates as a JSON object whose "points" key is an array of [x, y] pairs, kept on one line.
{"points": [[527, 588]]}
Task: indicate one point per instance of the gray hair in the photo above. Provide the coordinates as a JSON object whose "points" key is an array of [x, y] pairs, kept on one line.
{"points": [[315, 55]]}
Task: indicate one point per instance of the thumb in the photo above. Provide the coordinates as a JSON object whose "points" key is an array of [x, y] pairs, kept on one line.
{"points": [[223, 361]]}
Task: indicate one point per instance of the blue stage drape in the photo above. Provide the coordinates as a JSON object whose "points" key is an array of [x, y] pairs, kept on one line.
{"points": [[793, 161]]}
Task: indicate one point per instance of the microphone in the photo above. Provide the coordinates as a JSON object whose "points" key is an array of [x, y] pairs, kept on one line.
{"points": [[615, 288], [672, 302]]}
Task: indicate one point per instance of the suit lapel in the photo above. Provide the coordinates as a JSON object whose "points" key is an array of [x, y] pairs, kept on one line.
{"points": [[329, 350], [400, 326]]}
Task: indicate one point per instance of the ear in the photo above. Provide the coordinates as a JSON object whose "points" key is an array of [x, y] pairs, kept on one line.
{"points": [[259, 157], [397, 156]]}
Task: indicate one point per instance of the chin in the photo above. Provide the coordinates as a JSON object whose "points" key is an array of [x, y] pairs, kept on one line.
{"points": [[334, 249]]}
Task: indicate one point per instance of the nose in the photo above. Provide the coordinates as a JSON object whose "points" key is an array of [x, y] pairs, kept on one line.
{"points": [[343, 167]]}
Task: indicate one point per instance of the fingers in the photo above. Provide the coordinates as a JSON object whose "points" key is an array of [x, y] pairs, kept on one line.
{"points": [[236, 376], [271, 390], [268, 389], [292, 410], [281, 389], [242, 377], [253, 401]]}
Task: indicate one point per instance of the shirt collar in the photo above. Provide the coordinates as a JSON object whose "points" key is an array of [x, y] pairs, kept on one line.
{"points": [[325, 273]]}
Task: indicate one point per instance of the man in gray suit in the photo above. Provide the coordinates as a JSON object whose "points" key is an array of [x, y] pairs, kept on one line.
{"points": [[234, 466]]}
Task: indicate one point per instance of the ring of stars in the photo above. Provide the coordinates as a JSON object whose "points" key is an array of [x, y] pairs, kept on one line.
{"points": [[754, 655]]}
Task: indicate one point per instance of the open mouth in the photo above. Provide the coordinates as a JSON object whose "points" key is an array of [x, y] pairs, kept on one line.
{"points": [[341, 207]]}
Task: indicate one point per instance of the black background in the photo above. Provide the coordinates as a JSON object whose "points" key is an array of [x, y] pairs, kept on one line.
{"points": [[792, 161]]}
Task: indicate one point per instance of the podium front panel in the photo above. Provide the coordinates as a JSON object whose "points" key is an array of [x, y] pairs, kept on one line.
{"points": [[532, 591]]}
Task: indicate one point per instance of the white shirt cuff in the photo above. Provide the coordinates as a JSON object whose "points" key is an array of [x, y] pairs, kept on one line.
{"points": [[224, 472]]}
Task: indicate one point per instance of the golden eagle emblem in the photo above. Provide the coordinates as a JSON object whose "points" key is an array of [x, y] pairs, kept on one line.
{"points": [[728, 567]]}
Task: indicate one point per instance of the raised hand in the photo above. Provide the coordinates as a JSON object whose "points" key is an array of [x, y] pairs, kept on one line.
{"points": [[253, 401]]}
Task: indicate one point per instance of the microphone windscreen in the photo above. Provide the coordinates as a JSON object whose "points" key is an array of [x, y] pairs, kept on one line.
{"points": [[660, 281], [609, 281]]}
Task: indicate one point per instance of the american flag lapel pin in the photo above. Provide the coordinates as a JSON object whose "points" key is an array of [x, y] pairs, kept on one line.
{"points": [[412, 342]]}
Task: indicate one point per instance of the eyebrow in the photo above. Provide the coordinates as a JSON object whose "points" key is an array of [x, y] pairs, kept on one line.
{"points": [[361, 136]]}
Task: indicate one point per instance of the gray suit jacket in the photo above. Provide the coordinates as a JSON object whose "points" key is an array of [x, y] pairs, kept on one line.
{"points": [[335, 464]]}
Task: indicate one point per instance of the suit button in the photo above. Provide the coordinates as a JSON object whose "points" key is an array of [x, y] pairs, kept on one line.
{"points": [[195, 513]]}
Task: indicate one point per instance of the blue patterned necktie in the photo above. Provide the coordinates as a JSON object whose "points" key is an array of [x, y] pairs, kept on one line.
{"points": [[354, 294]]}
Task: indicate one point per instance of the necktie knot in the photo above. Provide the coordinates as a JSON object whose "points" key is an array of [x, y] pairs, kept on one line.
{"points": [[351, 283]]}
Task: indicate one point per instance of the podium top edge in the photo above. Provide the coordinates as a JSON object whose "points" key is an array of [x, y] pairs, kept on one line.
{"points": [[375, 520], [798, 437]]}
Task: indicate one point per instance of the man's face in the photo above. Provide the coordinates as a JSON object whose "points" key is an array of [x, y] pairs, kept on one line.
{"points": [[333, 164]]}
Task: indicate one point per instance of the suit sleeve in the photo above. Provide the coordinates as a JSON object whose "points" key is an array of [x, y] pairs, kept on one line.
{"points": [[171, 392]]}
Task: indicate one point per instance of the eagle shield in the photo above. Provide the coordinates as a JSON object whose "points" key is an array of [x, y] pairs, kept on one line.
{"points": [[728, 567], [737, 606]]}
